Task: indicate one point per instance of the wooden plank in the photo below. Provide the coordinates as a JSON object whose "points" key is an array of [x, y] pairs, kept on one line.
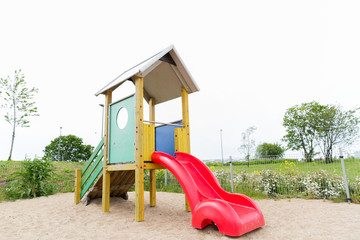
{"points": [[93, 155], [152, 166], [185, 117], [85, 178], [106, 191], [106, 174], [179, 140], [139, 149], [77, 185], [149, 141], [186, 123], [152, 188], [121, 167]]}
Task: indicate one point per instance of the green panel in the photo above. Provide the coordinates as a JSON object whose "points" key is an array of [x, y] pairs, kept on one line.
{"points": [[92, 168], [92, 179], [122, 141]]}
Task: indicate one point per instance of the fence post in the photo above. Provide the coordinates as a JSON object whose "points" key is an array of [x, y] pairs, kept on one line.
{"points": [[345, 178], [166, 177], [231, 174]]}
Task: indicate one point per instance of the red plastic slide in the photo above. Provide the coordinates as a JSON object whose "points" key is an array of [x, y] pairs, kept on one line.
{"points": [[233, 214]]}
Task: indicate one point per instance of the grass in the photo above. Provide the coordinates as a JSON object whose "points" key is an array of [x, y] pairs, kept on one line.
{"points": [[63, 176], [64, 173], [352, 166]]}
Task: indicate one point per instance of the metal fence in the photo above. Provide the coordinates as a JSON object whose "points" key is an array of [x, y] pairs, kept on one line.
{"points": [[291, 177], [274, 177], [352, 165]]}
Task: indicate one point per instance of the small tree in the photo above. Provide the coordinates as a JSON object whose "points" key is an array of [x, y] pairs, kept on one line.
{"points": [[300, 125], [18, 101], [71, 149], [335, 126], [266, 150], [312, 124], [248, 144]]}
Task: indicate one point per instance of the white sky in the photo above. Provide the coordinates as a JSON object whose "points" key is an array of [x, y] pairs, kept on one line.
{"points": [[251, 59]]}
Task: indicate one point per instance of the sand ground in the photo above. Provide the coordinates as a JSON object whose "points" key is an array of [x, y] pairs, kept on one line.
{"points": [[57, 217]]}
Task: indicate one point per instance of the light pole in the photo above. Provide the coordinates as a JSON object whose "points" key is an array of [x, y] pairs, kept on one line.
{"points": [[102, 122], [222, 154], [59, 145]]}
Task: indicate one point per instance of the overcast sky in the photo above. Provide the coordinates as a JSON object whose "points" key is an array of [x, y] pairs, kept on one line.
{"points": [[251, 59]]}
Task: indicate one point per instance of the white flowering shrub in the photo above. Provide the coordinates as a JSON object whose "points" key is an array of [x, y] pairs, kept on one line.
{"points": [[224, 178], [269, 182], [322, 184], [319, 184], [355, 190]]}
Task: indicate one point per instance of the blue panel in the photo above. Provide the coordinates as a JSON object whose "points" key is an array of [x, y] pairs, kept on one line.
{"points": [[164, 138]]}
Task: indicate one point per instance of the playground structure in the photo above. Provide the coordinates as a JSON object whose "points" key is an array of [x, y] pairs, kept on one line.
{"points": [[131, 145]]}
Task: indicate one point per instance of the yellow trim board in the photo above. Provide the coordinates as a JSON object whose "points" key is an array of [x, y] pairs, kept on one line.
{"points": [[121, 167]]}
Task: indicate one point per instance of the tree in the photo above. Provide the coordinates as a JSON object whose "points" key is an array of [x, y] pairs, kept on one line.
{"points": [[18, 101], [71, 149], [335, 126], [300, 125], [312, 124], [248, 144], [267, 150]]}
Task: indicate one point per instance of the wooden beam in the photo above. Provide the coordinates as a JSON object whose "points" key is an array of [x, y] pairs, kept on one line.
{"points": [[121, 167], [149, 141], [185, 117], [77, 185], [186, 123], [152, 171], [139, 149], [153, 166], [106, 174]]}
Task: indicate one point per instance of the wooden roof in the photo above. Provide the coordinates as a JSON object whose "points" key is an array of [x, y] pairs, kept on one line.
{"points": [[164, 74]]}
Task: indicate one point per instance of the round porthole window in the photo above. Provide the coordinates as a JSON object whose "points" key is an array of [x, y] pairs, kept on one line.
{"points": [[122, 118]]}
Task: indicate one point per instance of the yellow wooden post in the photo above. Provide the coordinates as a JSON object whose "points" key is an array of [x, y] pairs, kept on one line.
{"points": [[106, 174], [186, 123], [152, 171], [139, 150], [77, 185]]}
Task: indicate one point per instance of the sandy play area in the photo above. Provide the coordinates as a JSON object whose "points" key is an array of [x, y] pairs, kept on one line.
{"points": [[56, 217]]}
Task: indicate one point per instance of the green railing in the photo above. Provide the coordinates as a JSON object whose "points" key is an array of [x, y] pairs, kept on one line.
{"points": [[92, 168]]}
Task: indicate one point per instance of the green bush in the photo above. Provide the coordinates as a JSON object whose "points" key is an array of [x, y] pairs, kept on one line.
{"points": [[33, 180], [266, 150]]}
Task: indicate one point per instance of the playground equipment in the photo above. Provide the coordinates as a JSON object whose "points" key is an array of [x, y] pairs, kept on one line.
{"points": [[125, 152]]}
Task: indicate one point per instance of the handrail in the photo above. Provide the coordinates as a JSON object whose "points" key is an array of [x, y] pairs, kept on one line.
{"points": [[92, 168], [93, 155], [94, 176], [170, 124]]}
